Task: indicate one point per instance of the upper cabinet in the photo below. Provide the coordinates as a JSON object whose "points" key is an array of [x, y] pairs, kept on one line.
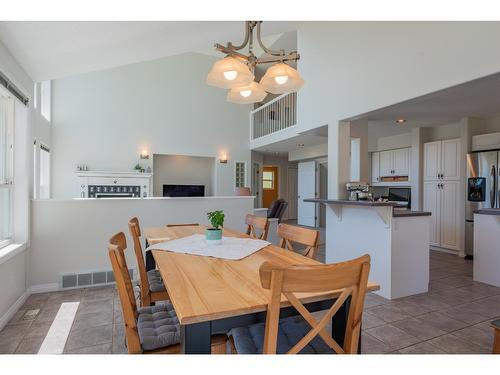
{"points": [[391, 167], [442, 160]]}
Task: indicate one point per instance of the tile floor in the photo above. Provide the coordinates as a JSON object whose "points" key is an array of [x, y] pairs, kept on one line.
{"points": [[452, 318]]}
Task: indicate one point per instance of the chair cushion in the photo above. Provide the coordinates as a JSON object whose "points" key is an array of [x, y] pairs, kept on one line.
{"points": [[250, 339], [155, 281], [158, 326]]}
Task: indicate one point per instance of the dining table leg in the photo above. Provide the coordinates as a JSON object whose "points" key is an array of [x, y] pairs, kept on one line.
{"points": [[339, 324], [196, 338]]}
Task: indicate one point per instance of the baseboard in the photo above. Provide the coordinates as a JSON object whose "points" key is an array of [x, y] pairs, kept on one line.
{"points": [[447, 251], [44, 288], [13, 309]]}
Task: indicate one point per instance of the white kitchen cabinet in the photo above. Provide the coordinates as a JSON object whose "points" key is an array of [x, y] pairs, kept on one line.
{"points": [[385, 161], [394, 163], [375, 167], [432, 195], [401, 162], [442, 160], [450, 225], [442, 199]]}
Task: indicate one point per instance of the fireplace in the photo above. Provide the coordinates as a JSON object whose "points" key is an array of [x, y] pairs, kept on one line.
{"points": [[183, 190]]}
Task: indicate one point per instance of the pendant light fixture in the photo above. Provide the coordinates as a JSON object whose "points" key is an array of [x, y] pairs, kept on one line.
{"points": [[251, 93], [235, 71], [229, 72]]}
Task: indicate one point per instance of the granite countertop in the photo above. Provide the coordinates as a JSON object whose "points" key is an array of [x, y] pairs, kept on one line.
{"points": [[395, 212], [488, 211]]}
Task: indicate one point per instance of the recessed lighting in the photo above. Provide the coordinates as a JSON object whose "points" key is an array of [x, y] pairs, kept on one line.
{"points": [[301, 145], [400, 121]]}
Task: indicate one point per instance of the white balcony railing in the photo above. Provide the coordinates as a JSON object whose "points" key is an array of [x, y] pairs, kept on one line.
{"points": [[278, 114]]}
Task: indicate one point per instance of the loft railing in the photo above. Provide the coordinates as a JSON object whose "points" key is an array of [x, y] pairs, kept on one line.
{"points": [[278, 114]]}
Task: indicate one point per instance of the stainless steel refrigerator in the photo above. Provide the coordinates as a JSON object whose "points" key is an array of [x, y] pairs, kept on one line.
{"points": [[483, 185]]}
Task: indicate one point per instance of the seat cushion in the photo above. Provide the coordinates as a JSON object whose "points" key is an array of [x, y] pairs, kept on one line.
{"points": [[250, 339], [155, 281], [158, 326]]}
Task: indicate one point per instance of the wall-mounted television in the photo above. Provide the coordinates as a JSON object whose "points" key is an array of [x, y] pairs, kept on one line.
{"points": [[183, 190]]}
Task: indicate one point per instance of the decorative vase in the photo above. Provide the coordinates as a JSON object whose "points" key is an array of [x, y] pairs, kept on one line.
{"points": [[214, 236]]}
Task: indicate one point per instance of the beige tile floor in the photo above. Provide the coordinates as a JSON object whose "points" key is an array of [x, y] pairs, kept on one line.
{"points": [[452, 318]]}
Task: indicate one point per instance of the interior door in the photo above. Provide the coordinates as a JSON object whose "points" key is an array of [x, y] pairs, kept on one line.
{"points": [[306, 187], [292, 193], [270, 185], [386, 163], [450, 225], [401, 162], [451, 160], [432, 160], [432, 204]]}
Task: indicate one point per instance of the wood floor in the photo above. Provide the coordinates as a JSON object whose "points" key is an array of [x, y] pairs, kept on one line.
{"points": [[452, 318]]}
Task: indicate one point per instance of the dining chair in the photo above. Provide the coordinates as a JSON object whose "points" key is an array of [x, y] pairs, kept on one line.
{"points": [[151, 284], [304, 236], [152, 329], [300, 334], [254, 222], [496, 341]]}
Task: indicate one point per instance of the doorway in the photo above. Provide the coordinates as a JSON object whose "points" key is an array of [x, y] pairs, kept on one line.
{"points": [[306, 186], [270, 184], [256, 184], [292, 195], [323, 191]]}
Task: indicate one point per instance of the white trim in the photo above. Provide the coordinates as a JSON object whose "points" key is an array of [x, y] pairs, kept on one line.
{"points": [[11, 251], [13, 309], [44, 288]]}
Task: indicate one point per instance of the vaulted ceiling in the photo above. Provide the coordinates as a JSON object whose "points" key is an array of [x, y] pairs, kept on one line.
{"points": [[49, 50]]}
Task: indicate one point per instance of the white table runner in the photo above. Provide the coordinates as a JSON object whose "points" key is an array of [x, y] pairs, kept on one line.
{"points": [[231, 248]]}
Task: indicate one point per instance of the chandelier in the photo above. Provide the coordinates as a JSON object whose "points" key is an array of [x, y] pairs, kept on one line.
{"points": [[236, 71]]}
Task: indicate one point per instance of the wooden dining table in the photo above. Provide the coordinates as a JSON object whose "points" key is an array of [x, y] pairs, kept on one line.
{"points": [[212, 295]]}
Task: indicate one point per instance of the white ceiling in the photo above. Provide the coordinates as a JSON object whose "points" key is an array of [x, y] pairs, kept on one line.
{"points": [[479, 98], [49, 50]]}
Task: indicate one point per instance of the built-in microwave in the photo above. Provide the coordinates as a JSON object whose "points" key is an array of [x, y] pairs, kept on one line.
{"points": [[401, 196]]}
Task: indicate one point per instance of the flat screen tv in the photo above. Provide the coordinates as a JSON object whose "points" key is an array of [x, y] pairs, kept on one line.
{"points": [[183, 190]]}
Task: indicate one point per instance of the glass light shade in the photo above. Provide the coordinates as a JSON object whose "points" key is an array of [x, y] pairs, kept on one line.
{"points": [[228, 73], [281, 78], [252, 93]]}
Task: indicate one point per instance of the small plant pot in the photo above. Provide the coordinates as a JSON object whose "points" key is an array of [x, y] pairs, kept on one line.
{"points": [[214, 236]]}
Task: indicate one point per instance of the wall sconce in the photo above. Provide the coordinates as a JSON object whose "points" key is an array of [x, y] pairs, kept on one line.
{"points": [[144, 154], [223, 159]]}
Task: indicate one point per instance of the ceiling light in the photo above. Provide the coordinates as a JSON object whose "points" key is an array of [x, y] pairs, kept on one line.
{"points": [[400, 121], [248, 94], [236, 69], [228, 73], [281, 78]]}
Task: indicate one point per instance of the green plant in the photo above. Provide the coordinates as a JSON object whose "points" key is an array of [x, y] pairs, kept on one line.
{"points": [[138, 167], [216, 219]]}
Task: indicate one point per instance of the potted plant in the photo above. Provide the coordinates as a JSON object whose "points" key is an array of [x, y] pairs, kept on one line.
{"points": [[214, 234], [139, 168]]}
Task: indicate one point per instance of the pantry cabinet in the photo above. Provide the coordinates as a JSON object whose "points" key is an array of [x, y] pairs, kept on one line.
{"points": [[442, 193]]}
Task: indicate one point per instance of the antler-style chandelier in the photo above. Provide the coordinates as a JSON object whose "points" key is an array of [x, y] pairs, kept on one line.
{"points": [[236, 70]]}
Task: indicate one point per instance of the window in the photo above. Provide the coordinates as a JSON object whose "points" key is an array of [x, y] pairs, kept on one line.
{"points": [[44, 192], [35, 95], [268, 180], [45, 99], [240, 172], [6, 159]]}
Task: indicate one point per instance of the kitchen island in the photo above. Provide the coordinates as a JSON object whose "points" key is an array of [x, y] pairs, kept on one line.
{"points": [[397, 241], [486, 246]]}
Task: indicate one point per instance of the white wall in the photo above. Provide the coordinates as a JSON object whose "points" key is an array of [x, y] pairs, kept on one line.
{"points": [[351, 68], [310, 152], [182, 170], [103, 119], [62, 246], [14, 289]]}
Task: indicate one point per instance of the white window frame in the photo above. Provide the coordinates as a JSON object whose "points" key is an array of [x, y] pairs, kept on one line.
{"points": [[245, 172], [46, 100], [9, 164]]}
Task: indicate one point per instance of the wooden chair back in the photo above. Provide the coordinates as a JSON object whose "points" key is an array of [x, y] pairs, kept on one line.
{"points": [[351, 277], [116, 247], [135, 232], [303, 236], [254, 222]]}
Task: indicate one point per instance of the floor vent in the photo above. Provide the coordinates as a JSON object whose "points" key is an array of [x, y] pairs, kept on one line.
{"points": [[31, 314], [88, 279]]}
